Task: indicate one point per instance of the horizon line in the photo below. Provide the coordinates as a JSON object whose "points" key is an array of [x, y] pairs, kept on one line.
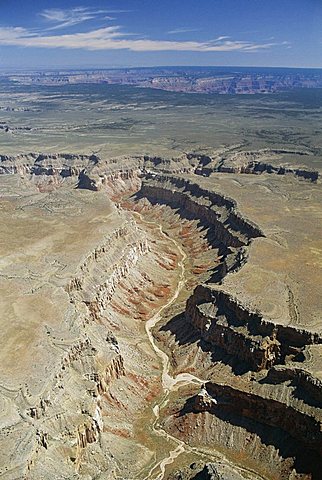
{"points": [[97, 67]]}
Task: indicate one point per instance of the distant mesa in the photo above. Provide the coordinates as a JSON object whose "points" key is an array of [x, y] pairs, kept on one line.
{"points": [[220, 80]]}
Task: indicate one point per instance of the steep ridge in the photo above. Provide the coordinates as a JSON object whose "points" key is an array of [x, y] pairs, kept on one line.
{"points": [[209, 207], [227, 231], [65, 363], [93, 172], [65, 165], [255, 167], [231, 333], [264, 347], [223, 321], [107, 295], [259, 387], [78, 419], [256, 162], [68, 418]]}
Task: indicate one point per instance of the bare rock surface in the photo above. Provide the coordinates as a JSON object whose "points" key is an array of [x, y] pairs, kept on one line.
{"points": [[224, 263], [209, 471]]}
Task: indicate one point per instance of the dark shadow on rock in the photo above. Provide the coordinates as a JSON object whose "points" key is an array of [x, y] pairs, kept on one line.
{"points": [[299, 391], [306, 460], [186, 334]]}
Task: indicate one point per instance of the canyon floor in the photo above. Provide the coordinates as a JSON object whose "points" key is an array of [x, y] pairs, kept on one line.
{"points": [[161, 311]]}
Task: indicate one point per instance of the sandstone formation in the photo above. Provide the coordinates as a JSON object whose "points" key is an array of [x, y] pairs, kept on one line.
{"points": [[184, 79], [229, 266], [209, 471]]}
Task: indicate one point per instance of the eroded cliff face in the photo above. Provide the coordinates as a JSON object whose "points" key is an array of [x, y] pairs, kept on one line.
{"points": [[225, 322], [89, 371], [264, 347], [266, 386], [122, 174], [227, 231], [121, 282], [93, 408], [66, 422], [64, 165], [210, 208], [256, 162]]}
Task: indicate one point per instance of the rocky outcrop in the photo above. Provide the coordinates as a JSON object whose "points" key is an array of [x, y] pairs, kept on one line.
{"points": [[69, 416], [64, 165], [265, 410], [116, 175], [211, 208], [256, 168], [255, 162], [113, 267], [260, 389], [225, 322], [227, 230], [124, 174], [308, 386], [85, 182], [208, 471]]}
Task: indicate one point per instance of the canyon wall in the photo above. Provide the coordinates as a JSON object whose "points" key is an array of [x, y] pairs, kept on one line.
{"points": [[121, 281]]}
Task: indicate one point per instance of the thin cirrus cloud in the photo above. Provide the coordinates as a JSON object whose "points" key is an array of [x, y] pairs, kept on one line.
{"points": [[73, 16], [112, 37], [182, 30]]}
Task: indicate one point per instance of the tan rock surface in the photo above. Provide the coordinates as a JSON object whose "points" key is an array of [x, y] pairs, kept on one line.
{"points": [[80, 276], [283, 273]]}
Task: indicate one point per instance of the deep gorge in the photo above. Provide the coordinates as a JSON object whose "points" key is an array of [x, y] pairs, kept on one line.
{"points": [[255, 369]]}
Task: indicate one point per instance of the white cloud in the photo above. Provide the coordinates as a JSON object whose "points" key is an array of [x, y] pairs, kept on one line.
{"points": [[68, 17], [223, 37], [183, 30], [113, 38]]}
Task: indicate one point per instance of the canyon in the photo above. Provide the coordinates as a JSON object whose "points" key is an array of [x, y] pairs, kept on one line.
{"points": [[207, 80], [161, 316]]}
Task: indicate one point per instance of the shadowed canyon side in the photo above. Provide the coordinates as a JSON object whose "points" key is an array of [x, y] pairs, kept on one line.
{"points": [[258, 353], [216, 263]]}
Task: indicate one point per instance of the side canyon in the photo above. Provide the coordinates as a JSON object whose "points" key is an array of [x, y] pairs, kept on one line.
{"points": [[161, 317]]}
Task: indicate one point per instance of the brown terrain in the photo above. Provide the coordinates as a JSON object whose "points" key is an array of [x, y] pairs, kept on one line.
{"points": [[161, 317], [181, 79]]}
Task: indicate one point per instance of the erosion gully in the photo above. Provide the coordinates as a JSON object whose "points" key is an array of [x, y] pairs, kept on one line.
{"points": [[170, 383]]}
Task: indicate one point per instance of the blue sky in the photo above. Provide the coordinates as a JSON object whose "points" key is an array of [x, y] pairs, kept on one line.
{"points": [[116, 33]]}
